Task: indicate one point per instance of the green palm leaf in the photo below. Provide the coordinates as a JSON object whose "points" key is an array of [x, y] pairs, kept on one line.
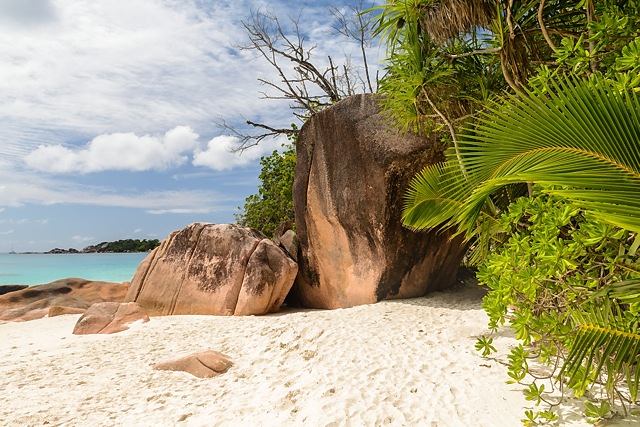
{"points": [[435, 196], [435, 199], [584, 138], [603, 344]]}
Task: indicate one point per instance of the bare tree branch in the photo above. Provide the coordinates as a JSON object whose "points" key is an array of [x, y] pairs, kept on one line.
{"points": [[353, 23], [308, 86], [247, 140]]}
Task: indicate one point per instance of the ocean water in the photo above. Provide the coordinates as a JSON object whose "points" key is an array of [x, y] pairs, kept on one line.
{"points": [[36, 269]]}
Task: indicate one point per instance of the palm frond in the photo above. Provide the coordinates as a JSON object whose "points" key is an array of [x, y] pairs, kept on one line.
{"points": [[627, 291], [602, 343], [585, 137], [435, 198]]}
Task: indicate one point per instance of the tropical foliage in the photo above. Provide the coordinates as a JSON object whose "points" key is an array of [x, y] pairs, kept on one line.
{"points": [[562, 266], [550, 281], [582, 138], [273, 204]]}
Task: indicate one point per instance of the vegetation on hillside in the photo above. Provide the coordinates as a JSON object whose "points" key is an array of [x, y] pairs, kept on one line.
{"points": [[126, 245], [534, 92]]}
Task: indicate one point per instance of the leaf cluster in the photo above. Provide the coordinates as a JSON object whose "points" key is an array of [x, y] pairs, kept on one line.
{"points": [[549, 282], [272, 205]]}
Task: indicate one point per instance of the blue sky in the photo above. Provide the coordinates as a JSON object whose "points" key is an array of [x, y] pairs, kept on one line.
{"points": [[109, 112]]}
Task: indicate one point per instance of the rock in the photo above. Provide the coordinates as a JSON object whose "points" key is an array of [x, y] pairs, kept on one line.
{"points": [[33, 302], [353, 168], [204, 364], [109, 318], [58, 310], [286, 238], [291, 244], [221, 269], [5, 289]]}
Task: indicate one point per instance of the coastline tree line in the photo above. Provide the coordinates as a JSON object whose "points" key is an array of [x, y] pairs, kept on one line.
{"points": [[538, 103], [117, 246]]}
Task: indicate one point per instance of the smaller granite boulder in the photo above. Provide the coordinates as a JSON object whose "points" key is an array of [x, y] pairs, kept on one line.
{"points": [[109, 318], [219, 269], [289, 242], [203, 364]]}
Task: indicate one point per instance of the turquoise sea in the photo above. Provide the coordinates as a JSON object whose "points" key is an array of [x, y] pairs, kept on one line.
{"points": [[36, 269]]}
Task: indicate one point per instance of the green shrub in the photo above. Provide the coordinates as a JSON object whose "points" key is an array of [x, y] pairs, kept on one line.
{"points": [[273, 204], [554, 282]]}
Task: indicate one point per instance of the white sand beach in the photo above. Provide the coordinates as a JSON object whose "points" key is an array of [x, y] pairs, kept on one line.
{"points": [[398, 363]]}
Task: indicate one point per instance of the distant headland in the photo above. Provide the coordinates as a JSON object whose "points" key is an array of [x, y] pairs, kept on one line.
{"points": [[118, 246]]}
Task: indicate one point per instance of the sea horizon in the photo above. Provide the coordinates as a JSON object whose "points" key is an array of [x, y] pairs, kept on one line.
{"points": [[40, 268]]}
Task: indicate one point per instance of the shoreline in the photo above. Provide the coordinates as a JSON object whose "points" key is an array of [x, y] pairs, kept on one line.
{"points": [[396, 362], [71, 253]]}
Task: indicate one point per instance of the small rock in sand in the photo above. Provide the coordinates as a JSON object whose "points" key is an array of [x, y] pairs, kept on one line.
{"points": [[203, 364]]}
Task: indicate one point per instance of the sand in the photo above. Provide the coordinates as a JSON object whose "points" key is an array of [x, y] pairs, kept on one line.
{"points": [[398, 363]]}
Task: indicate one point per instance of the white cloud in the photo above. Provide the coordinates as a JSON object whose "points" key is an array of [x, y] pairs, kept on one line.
{"points": [[137, 230], [220, 153], [105, 67], [6, 232], [14, 221], [42, 221], [117, 151]]}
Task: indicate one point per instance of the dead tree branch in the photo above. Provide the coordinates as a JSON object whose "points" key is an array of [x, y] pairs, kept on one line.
{"points": [[308, 82]]}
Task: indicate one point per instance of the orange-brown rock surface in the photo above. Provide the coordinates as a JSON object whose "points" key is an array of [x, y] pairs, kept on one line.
{"points": [[58, 310], [221, 269], [352, 171], [34, 302], [203, 364], [109, 318]]}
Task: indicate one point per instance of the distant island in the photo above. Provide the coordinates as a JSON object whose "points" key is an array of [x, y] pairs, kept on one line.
{"points": [[118, 246]]}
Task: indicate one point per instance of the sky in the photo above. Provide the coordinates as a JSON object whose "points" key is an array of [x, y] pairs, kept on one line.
{"points": [[110, 114]]}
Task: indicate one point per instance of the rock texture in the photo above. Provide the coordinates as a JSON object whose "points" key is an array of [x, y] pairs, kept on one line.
{"points": [[286, 238], [204, 364], [109, 318], [352, 171], [58, 310], [34, 302], [5, 289], [221, 269]]}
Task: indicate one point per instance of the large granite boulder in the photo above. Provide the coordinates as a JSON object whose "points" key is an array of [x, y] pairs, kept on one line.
{"points": [[34, 302], [353, 168], [109, 318], [222, 269]]}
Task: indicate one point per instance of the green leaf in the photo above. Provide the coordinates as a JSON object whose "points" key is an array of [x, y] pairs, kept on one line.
{"points": [[484, 344], [596, 413]]}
